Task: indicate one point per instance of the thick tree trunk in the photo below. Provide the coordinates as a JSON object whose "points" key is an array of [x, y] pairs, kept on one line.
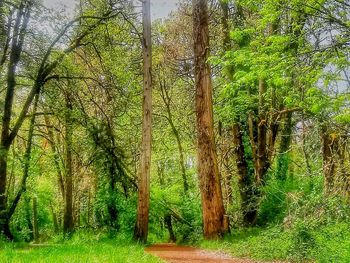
{"points": [[212, 202], [245, 180], [169, 226], [68, 222], [20, 27], [262, 162], [141, 227]]}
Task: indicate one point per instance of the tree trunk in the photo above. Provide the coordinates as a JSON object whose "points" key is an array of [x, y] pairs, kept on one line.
{"points": [[27, 157], [141, 227], [167, 101], [56, 156], [262, 164], [169, 226], [35, 220], [283, 157], [181, 152], [245, 180], [54, 220], [20, 27], [68, 222], [213, 211]]}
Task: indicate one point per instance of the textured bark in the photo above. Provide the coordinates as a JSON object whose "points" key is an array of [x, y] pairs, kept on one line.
{"points": [[141, 227], [211, 195], [169, 226], [262, 162], [27, 157], [20, 27], [68, 222], [54, 220], [286, 139], [35, 220], [245, 182], [225, 146], [56, 156]]}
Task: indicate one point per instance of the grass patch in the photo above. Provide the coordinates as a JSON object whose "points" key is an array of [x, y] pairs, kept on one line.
{"points": [[329, 243], [78, 249], [253, 243]]}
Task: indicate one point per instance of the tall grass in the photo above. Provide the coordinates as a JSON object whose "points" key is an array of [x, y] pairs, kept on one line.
{"points": [[81, 248]]}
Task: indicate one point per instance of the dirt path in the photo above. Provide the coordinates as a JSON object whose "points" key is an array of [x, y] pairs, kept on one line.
{"points": [[179, 254]]}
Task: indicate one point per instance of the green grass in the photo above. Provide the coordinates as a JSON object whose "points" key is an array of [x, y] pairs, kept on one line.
{"points": [[252, 243], [86, 249], [324, 244]]}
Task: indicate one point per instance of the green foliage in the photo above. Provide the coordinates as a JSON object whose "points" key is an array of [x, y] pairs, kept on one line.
{"points": [[83, 247]]}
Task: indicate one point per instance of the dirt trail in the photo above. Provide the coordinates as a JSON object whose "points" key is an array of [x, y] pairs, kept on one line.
{"points": [[180, 254]]}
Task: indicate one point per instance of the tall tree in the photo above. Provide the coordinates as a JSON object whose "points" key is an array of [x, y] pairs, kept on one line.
{"points": [[68, 223], [20, 43], [141, 227], [213, 211]]}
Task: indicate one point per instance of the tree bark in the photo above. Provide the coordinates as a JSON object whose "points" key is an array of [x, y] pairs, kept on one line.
{"points": [[56, 156], [68, 222], [283, 157], [245, 180], [169, 226], [35, 220], [20, 27], [262, 162], [27, 158], [213, 211], [141, 227]]}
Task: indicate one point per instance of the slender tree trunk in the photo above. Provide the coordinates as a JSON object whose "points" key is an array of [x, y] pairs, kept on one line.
{"points": [[27, 157], [68, 222], [35, 220], [167, 100], [28, 217], [56, 156], [330, 145], [212, 202], [54, 219], [181, 153], [141, 227], [283, 157]]}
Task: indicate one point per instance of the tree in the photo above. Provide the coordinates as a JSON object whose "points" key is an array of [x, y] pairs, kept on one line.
{"points": [[47, 62], [141, 227], [208, 171], [68, 223]]}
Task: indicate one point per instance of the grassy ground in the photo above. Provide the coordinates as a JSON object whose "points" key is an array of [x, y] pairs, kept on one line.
{"points": [[325, 244], [88, 249]]}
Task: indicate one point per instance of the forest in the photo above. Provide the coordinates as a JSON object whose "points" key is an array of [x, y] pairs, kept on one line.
{"points": [[222, 127]]}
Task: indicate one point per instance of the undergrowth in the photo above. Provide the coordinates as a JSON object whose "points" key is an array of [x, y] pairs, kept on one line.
{"points": [[82, 247]]}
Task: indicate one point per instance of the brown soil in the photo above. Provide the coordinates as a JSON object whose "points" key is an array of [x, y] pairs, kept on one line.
{"points": [[180, 254]]}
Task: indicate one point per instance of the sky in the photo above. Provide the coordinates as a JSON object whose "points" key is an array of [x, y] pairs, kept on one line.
{"points": [[159, 8]]}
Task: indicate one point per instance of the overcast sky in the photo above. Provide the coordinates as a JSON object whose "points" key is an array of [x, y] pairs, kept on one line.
{"points": [[159, 8]]}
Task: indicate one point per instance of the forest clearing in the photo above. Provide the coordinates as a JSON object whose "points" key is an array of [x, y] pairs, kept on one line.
{"points": [[175, 131]]}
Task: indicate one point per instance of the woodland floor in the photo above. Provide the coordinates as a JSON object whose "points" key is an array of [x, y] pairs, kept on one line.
{"points": [[181, 254]]}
